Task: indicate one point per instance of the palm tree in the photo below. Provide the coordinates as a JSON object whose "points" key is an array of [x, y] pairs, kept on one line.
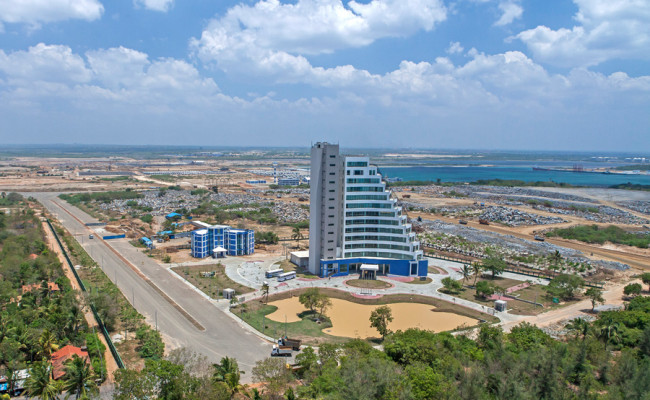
{"points": [[610, 332], [466, 271], [297, 235], [227, 371], [47, 344], [580, 327], [79, 378], [265, 291], [40, 382], [477, 267]]}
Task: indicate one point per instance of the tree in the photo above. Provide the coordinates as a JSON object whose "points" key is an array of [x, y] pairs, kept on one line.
{"points": [[565, 286], [451, 286], [484, 289], [633, 289], [47, 344], [380, 317], [610, 332], [274, 372], [596, 296], [478, 269], [645, 278], [495, 265], [79, 378], [466, 271], [579, 326], [227, 371], [323, 304], [308, 361], [310, 298], [40, 382], [296, 235], [265, 292]]}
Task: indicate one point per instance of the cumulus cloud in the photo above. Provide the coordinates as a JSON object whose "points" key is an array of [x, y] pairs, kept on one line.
{"points": [[155, 5], [454, 48], [119, 74], [510, 11], [35, 12], [608, 29]]}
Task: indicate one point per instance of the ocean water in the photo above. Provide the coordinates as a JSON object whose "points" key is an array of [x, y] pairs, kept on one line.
{"points": [[523, 173]]}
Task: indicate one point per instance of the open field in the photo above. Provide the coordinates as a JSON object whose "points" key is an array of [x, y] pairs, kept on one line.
{"points": [[212, 285]]}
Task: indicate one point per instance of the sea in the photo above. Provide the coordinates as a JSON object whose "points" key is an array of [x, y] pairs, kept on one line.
{"points": [[453, 171]]}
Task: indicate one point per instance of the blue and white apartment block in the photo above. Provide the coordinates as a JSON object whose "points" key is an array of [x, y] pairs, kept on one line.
{"points": [[218, 240]]}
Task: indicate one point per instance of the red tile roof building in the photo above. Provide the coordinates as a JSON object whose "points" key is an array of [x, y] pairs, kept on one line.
{"points": [[64, 354]]}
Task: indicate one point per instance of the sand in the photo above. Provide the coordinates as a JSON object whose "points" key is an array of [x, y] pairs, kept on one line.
{"points": [[353, 320]]}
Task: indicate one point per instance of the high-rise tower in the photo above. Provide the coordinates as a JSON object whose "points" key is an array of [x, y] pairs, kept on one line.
{"points": [[355, 224], [325, 204]]}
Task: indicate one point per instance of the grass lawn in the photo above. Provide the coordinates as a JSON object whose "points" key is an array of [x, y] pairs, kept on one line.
{"points": [[306, 329], [311, 332], [433, 270], [417, 281], [288, 266], [534, 293], [368, 283], [212, 286]]}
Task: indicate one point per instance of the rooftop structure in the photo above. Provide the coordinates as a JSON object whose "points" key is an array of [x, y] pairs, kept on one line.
{"points": [[64, 354]]}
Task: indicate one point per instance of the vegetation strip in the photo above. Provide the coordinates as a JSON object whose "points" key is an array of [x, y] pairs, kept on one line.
{"points": [[100, 323]]}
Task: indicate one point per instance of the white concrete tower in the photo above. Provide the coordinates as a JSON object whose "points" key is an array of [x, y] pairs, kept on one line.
{"points": [[325, 206]]}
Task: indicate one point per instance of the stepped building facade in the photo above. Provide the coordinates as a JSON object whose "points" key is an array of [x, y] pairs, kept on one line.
{"points": [[355, 223]]}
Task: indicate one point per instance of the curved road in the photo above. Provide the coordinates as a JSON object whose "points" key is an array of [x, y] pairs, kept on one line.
{"points": [[221, 335]]}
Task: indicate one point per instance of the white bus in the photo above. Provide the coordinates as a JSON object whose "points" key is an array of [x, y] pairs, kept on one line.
{"points": [[274, 272], [286, 276]]}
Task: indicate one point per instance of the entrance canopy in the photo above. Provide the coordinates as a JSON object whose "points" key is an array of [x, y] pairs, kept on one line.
{"points": [[369, 267]]}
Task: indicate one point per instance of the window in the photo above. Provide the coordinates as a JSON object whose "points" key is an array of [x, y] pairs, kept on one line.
{"points": [[357, 164], [358, 172], [330, 241], [332, 173], [331, 199], [332, 155], [331, 207], [332, 165], [332, 190], [331, 216], [330, 224], [348, 172], [332, 182]]}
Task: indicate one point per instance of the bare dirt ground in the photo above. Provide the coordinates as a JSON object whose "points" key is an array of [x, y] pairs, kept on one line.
{"points": [[353, 320]]}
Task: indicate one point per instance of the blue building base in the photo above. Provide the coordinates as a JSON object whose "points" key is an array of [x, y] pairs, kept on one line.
{"points": [[387, 266]]}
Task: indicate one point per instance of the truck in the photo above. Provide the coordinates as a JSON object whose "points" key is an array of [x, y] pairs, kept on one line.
{"points": [[288, 342], [539, 238], [462, 222], [279, 352], [91, 236], [483, 222]]}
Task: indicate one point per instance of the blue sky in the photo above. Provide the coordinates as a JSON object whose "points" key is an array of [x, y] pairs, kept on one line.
{"points": [[493, 74]]}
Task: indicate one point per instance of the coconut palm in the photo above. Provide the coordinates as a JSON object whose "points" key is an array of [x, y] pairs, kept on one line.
{"points": [[466, 271], [265, 291], [79, 378], [579, 326], [610, 332], [40, 383], [47, 344], [297, 235], [227, 371], [477, 267]]}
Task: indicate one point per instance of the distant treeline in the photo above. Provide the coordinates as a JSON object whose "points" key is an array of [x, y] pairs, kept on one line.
{"points": [[483, 182], [631, 186], [104, 197], [639, 167]]}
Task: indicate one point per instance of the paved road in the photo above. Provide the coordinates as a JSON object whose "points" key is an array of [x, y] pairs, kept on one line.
{"points": [[222, 336]]}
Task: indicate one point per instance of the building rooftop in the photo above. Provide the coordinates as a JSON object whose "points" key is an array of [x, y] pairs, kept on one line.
{"points": [[64, 354]]}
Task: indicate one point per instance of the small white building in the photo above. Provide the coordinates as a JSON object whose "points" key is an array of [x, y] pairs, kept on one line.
{"points": [[300, 258]]}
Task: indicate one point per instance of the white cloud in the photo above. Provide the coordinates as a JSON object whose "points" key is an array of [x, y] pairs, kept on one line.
{"points": [[315, 26], [35, 12], [609, 29], [155, 5], [510, 11], [454, 48]]}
